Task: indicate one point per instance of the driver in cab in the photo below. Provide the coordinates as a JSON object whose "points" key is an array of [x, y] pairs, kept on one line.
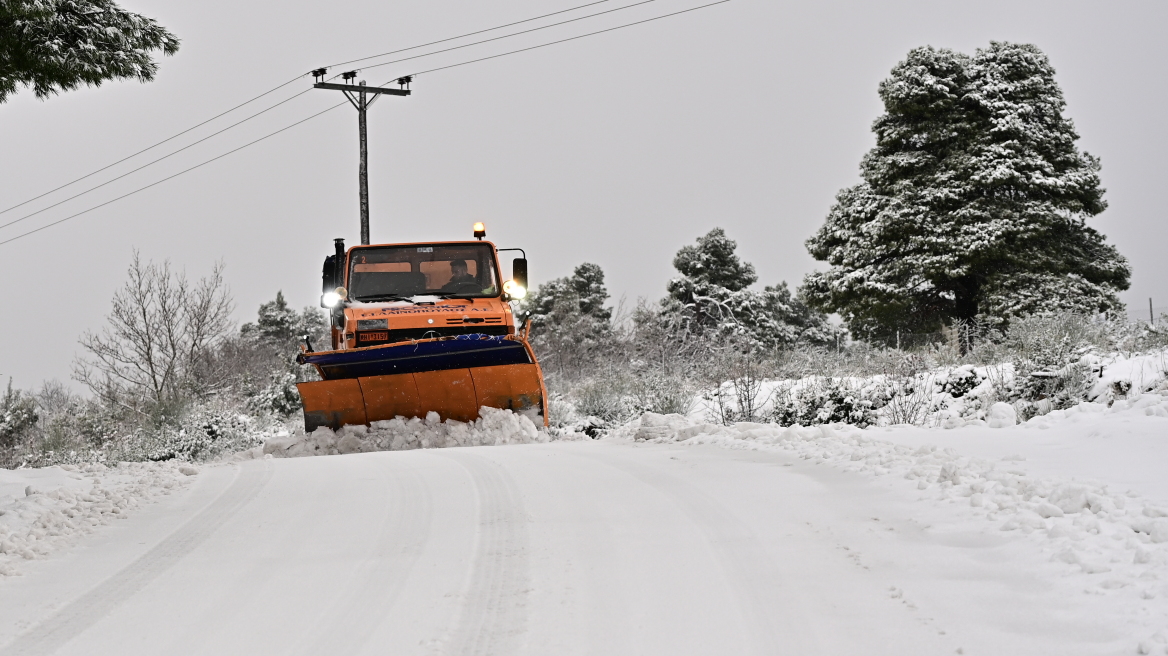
{"points": [[459, 277]]}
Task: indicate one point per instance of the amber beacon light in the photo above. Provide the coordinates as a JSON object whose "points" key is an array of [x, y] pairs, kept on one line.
{"points": [[480, 230]]}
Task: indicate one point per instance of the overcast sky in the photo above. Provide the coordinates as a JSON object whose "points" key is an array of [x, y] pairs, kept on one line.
{"points": [[615, 149]]}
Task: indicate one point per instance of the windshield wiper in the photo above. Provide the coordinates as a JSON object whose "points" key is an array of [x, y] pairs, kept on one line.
{"points": [[386, 297]]}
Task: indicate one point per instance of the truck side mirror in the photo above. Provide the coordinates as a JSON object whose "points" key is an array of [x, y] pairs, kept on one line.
{"points": [[339, 263], [519, 271], [328, 277]]}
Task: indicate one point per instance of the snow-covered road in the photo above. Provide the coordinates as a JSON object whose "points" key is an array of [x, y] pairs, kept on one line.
{"points": [[563, 548]]}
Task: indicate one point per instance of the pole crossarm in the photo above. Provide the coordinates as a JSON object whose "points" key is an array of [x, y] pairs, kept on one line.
{"points": [[359, 88]]}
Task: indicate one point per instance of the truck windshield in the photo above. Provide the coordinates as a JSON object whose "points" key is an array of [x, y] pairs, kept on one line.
{"points": [[384, 273]]}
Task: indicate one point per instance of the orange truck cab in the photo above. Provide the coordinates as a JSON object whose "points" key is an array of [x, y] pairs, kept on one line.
{"points": [[419, 328]]}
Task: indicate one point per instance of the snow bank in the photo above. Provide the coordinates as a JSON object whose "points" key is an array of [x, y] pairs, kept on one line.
{"points": [[1110, 543], [493, 427], [44, 510], [946, 397]]}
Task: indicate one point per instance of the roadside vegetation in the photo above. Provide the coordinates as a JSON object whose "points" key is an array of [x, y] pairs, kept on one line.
{"points": [[606, 368], [169, 377]]}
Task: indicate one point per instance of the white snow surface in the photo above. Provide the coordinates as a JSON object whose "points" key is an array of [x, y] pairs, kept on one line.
{"points": [[671, 536], [1086, 488]]}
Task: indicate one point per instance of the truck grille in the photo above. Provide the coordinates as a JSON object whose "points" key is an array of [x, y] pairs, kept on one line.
{"points": [[378, 337], [475, 320]]}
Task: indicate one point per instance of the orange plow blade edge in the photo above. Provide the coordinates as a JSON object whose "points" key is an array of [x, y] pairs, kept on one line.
{"points": [[452, 393]]}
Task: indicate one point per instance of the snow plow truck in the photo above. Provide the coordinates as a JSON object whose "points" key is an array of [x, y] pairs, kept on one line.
{"points": [[419, 328]]}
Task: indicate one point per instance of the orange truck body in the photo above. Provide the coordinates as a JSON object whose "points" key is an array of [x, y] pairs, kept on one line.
{"points": [[424, 353]]}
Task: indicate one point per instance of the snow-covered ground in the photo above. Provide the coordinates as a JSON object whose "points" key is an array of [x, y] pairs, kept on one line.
{"points": [[672, 536], [45, 510], [1085, 489]]}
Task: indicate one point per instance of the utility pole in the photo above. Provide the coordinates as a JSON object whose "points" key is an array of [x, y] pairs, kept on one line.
{"points": [[361, 96]]}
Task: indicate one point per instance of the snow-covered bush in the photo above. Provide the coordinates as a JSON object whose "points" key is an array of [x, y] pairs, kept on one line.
{"points": [[739, 391], [18, 414], [817, 401], [1151, 335], [603, 399], [204, 433], [233, 392], [961, 381], [279, 397], [655, 391], [1049, 356]]}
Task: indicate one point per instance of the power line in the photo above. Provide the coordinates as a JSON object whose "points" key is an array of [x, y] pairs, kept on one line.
{"points": [[170, 138], [506, 36], [552, 43], [171, 177], [214, 134], [155, 161], [288, 127], [286, 100], [463, 36], [272, 90]]}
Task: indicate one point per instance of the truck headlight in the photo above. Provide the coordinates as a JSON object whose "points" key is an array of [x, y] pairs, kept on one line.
{"points": [[334, 298], [514, 290]]}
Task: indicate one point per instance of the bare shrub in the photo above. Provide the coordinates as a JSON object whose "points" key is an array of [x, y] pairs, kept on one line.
{"points": [[737, 388], [161, 332], [910, 400]]}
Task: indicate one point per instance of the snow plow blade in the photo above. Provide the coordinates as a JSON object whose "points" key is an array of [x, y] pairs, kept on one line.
{"points": [[453, 377]]}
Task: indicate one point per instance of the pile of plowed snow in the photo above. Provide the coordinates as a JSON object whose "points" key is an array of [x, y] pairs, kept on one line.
{"points": [[43, 510], [493, 427]]}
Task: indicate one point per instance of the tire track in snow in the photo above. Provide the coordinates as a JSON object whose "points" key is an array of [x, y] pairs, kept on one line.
{"points": [[379, 580], [85, 611], [747, 566], [492, 619]]}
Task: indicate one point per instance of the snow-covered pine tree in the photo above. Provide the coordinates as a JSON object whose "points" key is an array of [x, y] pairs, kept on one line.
{"points": [[18, 413], [58, 45], [587, 283], [278, 324], [711, 296], [575, 299], [568, 319], [262, 362], [972, 206]]}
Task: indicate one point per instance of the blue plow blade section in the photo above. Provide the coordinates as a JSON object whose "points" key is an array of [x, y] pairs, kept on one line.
{"points": [[461, 352]]}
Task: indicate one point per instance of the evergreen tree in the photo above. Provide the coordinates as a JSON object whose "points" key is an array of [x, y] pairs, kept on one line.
{"points": [[265, 360], [279, 324], [713, 262], [587, 283], [18, 413], [569, 321], [575, 299], [711, 297], [58, 45], [972, 206]]}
